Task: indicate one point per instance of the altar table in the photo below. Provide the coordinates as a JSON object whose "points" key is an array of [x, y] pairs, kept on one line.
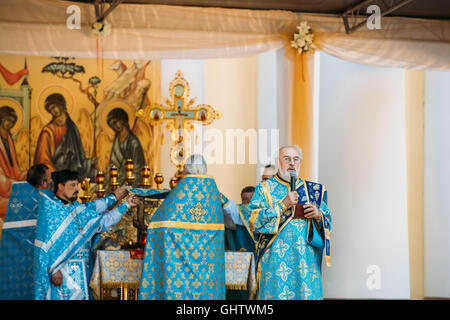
{"points": [[121, 270]]}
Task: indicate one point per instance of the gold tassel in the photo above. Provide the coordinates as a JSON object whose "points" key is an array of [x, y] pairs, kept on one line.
{"points": [[236, 286]]}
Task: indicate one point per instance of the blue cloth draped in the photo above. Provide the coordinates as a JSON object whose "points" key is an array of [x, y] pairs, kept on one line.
{"points": [[63, 242], [17, 243], [288, 267], [184, 251], [152, 193], [230, 240], [244, 237]]}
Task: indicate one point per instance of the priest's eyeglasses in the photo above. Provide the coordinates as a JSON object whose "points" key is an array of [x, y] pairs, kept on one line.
{"points": [[289, 160]]}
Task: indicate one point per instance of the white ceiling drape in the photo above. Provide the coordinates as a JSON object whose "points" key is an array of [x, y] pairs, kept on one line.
{"points": [[38, 27]]}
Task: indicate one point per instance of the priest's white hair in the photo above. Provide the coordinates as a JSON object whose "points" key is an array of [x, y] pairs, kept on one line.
{"points": [[195, 164], [293, 146], [285, 174]]}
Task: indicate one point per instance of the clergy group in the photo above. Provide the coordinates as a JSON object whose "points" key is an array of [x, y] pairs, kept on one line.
{"points": [[49, 238]]}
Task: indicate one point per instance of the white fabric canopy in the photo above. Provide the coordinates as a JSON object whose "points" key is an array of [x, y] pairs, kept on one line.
{"points": [[38, 27], [401, 42]]}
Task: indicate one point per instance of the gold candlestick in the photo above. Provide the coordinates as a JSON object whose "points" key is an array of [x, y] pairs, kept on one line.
{"points": [[159, 179], [100, 180], [179, 174], [146, 177], [129, 167], [173, 182], [113, 173], [86, 187]]}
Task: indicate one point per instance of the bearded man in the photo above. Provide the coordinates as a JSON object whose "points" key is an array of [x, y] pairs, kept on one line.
{"points": [[290, 247], [64, 237]]}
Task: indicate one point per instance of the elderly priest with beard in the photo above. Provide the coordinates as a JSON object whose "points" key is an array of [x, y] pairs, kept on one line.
{"points": [[184, 252], [291, 220]]}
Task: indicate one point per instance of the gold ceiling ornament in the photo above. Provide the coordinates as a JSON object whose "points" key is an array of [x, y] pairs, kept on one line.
{"points": [[179, 114]]}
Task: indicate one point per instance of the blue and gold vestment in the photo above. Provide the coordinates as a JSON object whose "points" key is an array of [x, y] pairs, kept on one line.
{"points": [[17, 243], [244, 236], [288, 267], [63, 243], [184, 251]]}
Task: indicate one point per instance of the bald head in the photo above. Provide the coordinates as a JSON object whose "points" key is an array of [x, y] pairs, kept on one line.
{"points": [[195, 164]]}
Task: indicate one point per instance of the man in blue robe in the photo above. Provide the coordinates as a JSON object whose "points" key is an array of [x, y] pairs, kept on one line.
{"points": [[289, 250], [268, 172], [184, 253], [229, 210], [243, 238], [65, 229], [17, 240]]}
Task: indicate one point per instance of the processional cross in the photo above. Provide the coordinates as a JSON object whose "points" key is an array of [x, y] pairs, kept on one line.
{"points": [[179, 114]]}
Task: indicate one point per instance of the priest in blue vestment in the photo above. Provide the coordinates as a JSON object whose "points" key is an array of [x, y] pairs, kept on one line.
{"points": [[289, 250], [17, 239], [184, 252], [243, 238], [64, 232]]}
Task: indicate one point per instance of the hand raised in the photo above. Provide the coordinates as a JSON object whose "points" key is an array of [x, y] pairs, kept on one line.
{"points": [[134, 201], [121, 192], [290, 199]]}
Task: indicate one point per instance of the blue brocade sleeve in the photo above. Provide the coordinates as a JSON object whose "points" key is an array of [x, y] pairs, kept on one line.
{"points": [[264, 217], [326, 214], [101, 205], [113, 216]]}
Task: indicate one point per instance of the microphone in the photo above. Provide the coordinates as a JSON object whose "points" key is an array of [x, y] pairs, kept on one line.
{"points": [[297, 210], [293, 179]]}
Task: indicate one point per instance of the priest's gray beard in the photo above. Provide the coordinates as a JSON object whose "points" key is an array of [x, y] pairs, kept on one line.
{"points": [[285, 175]]}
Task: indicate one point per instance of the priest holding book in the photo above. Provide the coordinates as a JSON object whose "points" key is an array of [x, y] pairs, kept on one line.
{"points": [[291, 220]]}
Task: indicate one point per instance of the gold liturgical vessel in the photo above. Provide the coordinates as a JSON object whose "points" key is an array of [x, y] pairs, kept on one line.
{"points": [[173, 182], [86, 187], [146, 177], [113, 173], [129, 167], [100, 181], [159, 179]]}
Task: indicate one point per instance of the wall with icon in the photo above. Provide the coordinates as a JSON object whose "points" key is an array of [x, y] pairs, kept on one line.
{"points": [[77, 113]]}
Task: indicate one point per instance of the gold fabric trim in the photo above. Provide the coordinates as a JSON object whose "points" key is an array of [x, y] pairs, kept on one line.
{"points": [[283, 206], [286, 183], [120, 284], [253, 217], [266, 191], [198, 176], [246, 224], [186, 225], [306, 191], [236, 286]]}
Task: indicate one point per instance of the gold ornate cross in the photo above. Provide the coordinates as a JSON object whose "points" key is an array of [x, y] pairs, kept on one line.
{"points": [[179, 114]]}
